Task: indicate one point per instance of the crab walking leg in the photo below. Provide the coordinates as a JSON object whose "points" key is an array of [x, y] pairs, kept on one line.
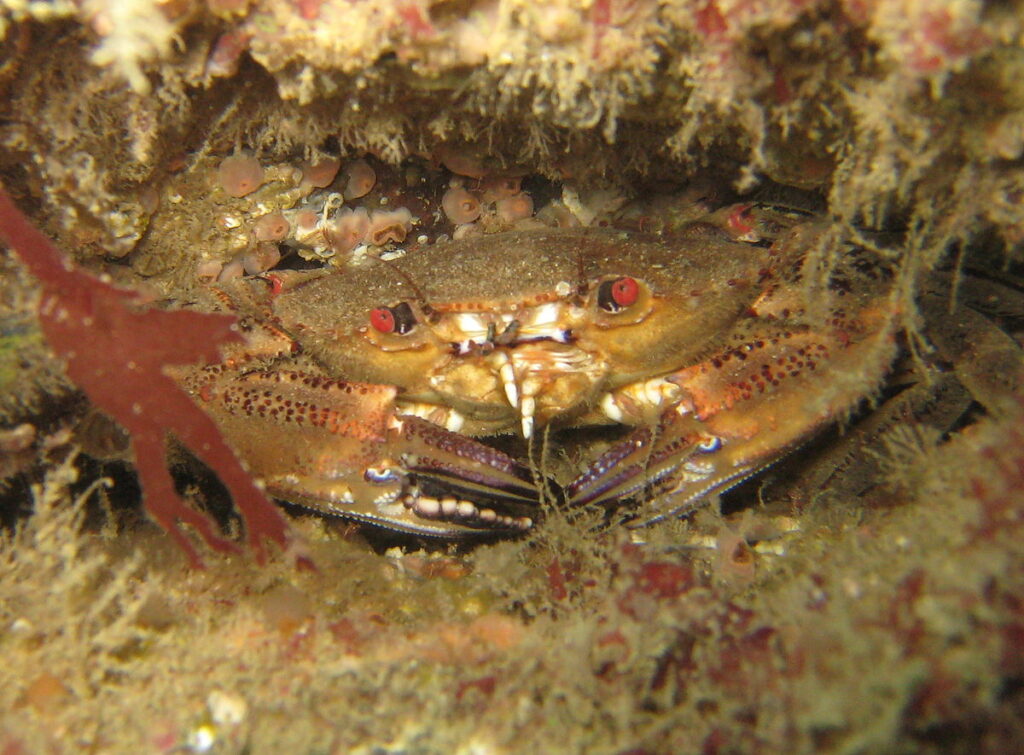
{"points": [[738, 411], [339, 448]]}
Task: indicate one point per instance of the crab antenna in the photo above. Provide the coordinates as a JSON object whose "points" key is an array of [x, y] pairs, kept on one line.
{"points": [[420, 298]]}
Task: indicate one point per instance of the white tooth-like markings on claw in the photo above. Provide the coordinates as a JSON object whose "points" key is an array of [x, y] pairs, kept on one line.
{"points": [[454, 422], [387, 498], [449, 506], [653, 394], [466, 510], [390, 510], [611, 409], [427, 507], [700, 468], [338, 493], [449, 418]]}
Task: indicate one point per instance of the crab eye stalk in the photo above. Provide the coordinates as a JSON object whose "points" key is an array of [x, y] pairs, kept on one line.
{"points": [[618, 294], [398, 319]]}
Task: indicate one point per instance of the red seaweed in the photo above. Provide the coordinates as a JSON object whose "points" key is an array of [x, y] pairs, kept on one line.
{"points": [[116, 350]]}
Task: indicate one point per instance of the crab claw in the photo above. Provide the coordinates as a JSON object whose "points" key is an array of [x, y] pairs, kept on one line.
{"points": [[673, 465], [339, 448], [461, 485]]}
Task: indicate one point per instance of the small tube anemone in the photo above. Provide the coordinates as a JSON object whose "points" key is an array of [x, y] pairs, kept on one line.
{"points": [[498, 187], [240, 174], [462, 161], [389, 225], [272, 227], [557, 215], [208, 270], [359, 179], [467, 230], [260, 259], [460, 206], [511, 209], [307, 226], [320, 174], [347, 230], [234, 269]]}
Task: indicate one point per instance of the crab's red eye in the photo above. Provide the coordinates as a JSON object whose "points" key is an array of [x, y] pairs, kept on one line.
{"points": [[615, 295], [382, 320], [398, 319]]}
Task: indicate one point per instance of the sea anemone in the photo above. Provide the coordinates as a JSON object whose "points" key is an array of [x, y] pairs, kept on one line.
{"points": [[460, 206], [272, 227], [347, 230], [359, 179], [321, 173], [389, 225], [230, 271], [208, 270], [511, 209], [556, 215], [462, 161], [261, 258], [240, 174], [306, 224], [467, 230], [499, 187]]}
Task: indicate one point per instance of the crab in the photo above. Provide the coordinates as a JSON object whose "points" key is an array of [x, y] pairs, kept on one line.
{"points": [[374, 393]]}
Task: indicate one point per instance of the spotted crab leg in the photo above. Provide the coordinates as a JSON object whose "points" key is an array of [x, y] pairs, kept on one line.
{"points": [[726, 417], [340, 448]]}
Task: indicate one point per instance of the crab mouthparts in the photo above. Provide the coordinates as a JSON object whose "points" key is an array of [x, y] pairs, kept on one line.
{"points": [[530, 371], [511, 336], [529, 350]]}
